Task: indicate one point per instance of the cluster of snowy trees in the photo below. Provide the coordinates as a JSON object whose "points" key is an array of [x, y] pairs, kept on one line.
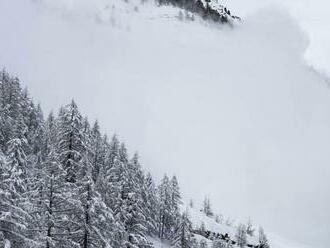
{"points": [[65, 184], [202, 8], [224, 240], [244, 231], [239, 240]]}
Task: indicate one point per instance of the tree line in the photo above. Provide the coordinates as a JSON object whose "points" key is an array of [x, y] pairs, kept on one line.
{"points": [[65, 184], [202, 8]]}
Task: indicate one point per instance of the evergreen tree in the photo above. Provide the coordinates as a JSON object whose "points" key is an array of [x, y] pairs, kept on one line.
{"points": [[13, 217], [183, 234], [50, 140], [240, 235], [175, 192], [93, 222], [136, 222], [202, 229], [165, 218], [12, 120], [263, 241], [119, 184], [150, 204], [207, 207], [249, 228], [17, 162], [32, 117], [71, 143], [98, 150], [175, 201], [110, 176], [53, 208]]}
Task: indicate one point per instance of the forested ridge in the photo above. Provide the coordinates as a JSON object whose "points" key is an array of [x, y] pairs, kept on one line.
{"points": [[207, 9], [65, 184]]}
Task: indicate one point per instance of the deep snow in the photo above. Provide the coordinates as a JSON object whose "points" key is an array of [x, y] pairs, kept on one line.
{"points": [[234, 112], [197, 217]]}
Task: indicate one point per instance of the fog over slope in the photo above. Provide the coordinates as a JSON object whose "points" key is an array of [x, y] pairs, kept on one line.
{"points": [[313, 17], [234, 112]]}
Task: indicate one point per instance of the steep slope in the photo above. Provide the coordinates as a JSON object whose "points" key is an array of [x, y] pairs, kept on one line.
{"points": [[209, 104], [119, 11], [198, 217]]}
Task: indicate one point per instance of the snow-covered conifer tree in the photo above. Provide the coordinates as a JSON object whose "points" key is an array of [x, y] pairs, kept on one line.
{"points": [[52, 210], [240, 235], [71, 143], [263, 241], [150, 204], [134, 206], [202, 229], [93, 222], [176, 196], [207, 207], [14, 220], [249, 228], [183, 237], [165, 215], [98, 149]]}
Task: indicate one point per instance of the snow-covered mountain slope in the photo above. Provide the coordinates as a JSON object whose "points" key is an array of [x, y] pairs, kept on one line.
{"points": [[275, 242], [280, 242], [197, 217], [120, 12], [190, 96]]}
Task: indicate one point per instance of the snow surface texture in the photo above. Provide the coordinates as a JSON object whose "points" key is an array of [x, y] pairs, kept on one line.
{"points": [[197, 217], [215, 105]]}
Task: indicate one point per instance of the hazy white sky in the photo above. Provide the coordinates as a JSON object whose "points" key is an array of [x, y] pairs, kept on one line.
{"points": [[235, 113]]}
